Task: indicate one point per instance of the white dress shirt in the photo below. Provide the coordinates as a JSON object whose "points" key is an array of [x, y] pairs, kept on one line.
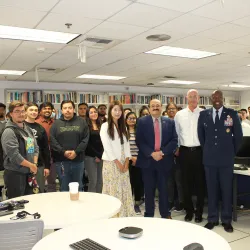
{"points": [[186, 123], [219, 113]]}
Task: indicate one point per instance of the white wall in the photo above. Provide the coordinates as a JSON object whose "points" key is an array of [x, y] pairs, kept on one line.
{"points": [[245, 99], [99, 88]]}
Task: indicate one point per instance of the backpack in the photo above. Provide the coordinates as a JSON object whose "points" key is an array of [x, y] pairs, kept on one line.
{"points": [[2, 158]]}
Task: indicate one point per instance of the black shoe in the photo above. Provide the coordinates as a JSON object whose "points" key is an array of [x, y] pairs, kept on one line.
{"points": [[189, 217], [211, 225], [228, 227], [198, 218]]}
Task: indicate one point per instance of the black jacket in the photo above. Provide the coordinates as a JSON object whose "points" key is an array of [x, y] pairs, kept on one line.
{"points": [[69, 135], [42, 141]]}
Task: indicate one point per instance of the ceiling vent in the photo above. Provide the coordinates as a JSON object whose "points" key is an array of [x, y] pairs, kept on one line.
{"points": [[95, 42], [47, 70]]}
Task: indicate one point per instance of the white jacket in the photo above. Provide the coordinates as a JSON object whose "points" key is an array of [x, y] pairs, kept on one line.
{"points": [[112, 148]]}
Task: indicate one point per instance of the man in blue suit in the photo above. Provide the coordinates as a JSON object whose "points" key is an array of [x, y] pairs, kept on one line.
{"points": [[220, 135], [157, 140]]}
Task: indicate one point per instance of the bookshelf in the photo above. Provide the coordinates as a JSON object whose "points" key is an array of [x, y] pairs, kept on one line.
{"points": [[24, 96], [131, 100]]}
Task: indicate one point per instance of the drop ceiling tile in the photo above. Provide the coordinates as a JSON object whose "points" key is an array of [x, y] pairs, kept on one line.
{"points": [[116, 31], [226, 47], [44, 5], [179, 5], [191, 24], [227, 12], [158, 16], [244, 40], [56, 22], [226, 32], [194, 42], [88, 8], [10, 16], [245, 21]]}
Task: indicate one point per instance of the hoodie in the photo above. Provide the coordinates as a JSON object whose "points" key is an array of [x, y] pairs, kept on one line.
{"points": [[14, 150], [66, 135]]}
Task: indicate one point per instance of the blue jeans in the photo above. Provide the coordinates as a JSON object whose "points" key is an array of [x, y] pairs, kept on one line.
{"points": [[69, 171]]}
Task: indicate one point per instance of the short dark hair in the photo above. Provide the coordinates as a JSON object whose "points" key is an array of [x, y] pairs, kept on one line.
{"points": [[142, 109], [2, 105], [171, 103], [83, 103], [30, 104], [46, 104], [202, 107], [248, 107], [67, 101], [15, 104], [239, 111], [130, 110], [243, 110], [102, 105], [164, 113]]}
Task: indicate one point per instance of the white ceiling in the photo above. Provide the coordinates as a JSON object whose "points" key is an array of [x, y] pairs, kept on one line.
{"points": [[195, 24]]}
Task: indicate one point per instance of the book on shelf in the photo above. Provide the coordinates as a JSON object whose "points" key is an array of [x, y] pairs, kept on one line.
{"points": [[28, 96], [123, 98], [59, 97], [175, 99], [93, 98], [143, 99]]}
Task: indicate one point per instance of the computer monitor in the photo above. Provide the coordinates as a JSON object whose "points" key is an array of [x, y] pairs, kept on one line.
{"points": [[243, 154]]}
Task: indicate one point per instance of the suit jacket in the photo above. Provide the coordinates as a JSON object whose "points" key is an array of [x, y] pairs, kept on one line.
{"points": [[220, 142], [145, 140]]}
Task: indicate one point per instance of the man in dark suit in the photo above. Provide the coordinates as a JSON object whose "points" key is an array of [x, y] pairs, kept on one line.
{"points": [[157, 140], [220, 135]]}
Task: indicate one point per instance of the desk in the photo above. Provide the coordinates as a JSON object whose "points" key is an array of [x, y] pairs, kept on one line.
{"points": [[235, 185], [160, 234], [57, 211]]}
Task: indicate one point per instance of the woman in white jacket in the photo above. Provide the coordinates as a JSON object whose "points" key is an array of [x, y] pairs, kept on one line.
{"points": [[115, 157]]}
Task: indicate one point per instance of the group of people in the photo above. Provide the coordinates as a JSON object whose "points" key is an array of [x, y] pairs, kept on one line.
{"points": [[125, 155]]}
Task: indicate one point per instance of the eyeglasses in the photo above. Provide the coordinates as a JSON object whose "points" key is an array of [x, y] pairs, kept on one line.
{"points": [[131, 119], [19, 112]]}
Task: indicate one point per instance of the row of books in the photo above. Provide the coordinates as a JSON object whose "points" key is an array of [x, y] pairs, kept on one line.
{"points": [[91, 98], [35, 96], [124, 99], [58, 98]]}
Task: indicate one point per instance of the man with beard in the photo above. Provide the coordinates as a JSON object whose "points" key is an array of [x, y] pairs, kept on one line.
{"points": [[46, 121], [102, 109]]}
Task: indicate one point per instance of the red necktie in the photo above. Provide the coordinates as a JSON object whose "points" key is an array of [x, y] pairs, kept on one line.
{"points": [[157, 136]]}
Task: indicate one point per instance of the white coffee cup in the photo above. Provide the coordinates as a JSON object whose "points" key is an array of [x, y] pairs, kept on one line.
{"points": [[73, 190]]}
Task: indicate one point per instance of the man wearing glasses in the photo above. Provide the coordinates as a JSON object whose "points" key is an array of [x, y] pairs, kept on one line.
{"points": [[156, 139], [20, 152]]}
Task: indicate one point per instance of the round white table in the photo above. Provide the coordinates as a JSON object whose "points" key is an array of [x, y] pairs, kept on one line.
{"points": [[160, 234], [58, 211]]}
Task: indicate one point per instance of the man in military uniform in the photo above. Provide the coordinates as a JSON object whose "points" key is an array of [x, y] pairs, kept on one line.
{"points": [[220, 135]]}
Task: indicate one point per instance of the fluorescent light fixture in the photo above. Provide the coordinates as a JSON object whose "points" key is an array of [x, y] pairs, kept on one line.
{"points": [[180, 52], [236, 86], [16, 33], [179, 82], [12, 72], [102, 77], [248, 65]]}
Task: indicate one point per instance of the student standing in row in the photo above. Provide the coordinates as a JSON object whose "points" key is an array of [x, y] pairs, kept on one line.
{"points": [[175, 175], [134, 172], [115, 157], [20, 152], [94, 151], [42, 141], [190, 152], [69, 138], [45, 119]]}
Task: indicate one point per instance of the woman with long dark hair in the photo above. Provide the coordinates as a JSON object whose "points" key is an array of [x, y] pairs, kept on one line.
{"points": [[143, 111], [94, 151], [115, 157], [134, 172]]}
